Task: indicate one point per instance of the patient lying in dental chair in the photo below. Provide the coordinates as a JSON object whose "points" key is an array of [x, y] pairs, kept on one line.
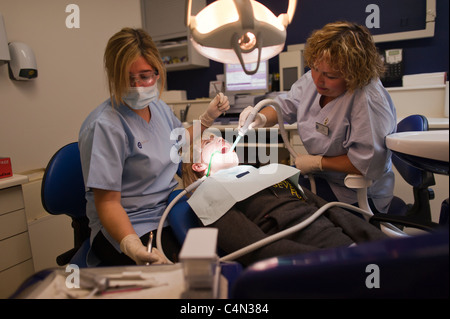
{"points": [[247, 204]]}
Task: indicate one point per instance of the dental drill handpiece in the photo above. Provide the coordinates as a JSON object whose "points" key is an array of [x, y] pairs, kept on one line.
{"points": [[250, 118], [243, 130]]}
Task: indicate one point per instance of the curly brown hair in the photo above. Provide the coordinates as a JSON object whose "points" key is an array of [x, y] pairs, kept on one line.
{"points": [[349, 49]]}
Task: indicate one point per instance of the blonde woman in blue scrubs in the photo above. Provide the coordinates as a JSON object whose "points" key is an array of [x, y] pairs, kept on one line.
{"points": [[343, 114], [126, 145]]}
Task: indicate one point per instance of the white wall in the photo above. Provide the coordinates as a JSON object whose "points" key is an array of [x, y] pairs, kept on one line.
{"points": [[38, 117]]}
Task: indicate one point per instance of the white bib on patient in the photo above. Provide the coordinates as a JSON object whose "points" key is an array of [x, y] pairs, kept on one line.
{"points": [[219, 192]]}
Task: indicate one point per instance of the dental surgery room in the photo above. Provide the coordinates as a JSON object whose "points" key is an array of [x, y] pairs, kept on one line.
{"points": [[226, 158]]}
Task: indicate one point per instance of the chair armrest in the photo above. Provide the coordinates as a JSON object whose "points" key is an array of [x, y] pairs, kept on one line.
{"points": [[357, 181], [360, 183]]}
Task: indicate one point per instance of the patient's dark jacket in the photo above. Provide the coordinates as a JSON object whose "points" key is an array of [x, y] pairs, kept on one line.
{"points": [[279, 207]]}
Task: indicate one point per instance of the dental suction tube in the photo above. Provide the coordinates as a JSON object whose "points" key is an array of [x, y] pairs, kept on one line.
{"points": [[251, 117]]}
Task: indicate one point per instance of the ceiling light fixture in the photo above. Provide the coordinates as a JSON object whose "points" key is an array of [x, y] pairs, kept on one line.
{"points": [[239, 31]]}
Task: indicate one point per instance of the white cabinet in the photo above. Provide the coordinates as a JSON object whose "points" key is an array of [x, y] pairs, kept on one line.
{"points": [[165, 20], [16, 262]]}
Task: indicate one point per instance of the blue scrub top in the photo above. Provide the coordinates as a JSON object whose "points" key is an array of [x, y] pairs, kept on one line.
{"points": [[121, 152], [357, 124]]}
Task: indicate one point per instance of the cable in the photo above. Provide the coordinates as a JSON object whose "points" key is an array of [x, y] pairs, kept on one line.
{"points": [[289, 231]]}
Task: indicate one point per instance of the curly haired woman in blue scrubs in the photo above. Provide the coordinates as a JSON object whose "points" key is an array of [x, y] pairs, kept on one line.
{"points": [[343, 114], [126, 145]]}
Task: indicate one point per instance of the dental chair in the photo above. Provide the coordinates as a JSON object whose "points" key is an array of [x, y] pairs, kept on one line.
{"points": [[182, 217], [417, 214], [63, 193], [399, 268], [406, 267]]}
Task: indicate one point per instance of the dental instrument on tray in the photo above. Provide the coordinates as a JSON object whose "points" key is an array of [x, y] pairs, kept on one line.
{"points": [[115, 283], [150, 244]]}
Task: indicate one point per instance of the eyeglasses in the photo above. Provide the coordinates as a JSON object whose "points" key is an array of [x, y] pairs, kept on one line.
{"points": [[147, 78]]}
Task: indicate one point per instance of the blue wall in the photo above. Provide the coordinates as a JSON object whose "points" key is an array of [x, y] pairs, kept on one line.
{"points": [[419, 56]]}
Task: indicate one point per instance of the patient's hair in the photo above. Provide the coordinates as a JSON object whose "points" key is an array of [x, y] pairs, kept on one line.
{"points": [[349, 49], [187, 173], [122, 50]]}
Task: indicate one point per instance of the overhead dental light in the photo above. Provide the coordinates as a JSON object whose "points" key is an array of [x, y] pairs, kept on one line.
{"points": [[239, 31]]}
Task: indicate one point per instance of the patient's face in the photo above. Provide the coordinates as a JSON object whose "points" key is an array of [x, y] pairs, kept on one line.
{"points": [[215, 150]]}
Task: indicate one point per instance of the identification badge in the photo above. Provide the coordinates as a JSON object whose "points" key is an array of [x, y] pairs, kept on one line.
{"points": [[322, 128]]}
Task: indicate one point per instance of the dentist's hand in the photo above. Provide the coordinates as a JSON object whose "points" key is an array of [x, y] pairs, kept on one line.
{"points": [[308, 163], [132, 246], [259, 120], [218, 105]]}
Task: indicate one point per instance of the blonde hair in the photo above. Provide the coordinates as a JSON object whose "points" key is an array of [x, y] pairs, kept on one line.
{"points": [[121, 51], [349, 49]]}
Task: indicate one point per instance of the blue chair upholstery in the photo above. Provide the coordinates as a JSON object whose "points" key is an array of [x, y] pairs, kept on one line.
{"points": [[63, 192], [412, 267], [182, 217]]}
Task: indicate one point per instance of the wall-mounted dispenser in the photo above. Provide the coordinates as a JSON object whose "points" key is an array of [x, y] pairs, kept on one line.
{"points": [[4, 51], [23, 62]]}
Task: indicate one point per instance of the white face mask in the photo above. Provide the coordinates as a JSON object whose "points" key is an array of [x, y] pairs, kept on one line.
{"points": [[140, 97]]}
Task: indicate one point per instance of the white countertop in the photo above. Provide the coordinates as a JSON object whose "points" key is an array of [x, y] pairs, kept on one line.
{"points": [[13, 181], [428, 144]]}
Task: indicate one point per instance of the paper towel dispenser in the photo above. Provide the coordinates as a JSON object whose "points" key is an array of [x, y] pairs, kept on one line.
{"points": [[23, 62]]}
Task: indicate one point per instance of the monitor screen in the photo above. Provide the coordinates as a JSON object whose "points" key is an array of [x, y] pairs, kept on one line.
{"points": [[238, 82]]}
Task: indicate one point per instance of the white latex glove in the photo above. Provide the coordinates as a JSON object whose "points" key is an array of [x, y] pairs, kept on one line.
{"points": [[217, 106], [259, 121], [308, 163], [132, 246]]}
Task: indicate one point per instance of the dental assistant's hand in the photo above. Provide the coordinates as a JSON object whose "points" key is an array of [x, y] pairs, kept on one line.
{"points": [[308, 163], [132, 246], [217, 106], [259, 120]]}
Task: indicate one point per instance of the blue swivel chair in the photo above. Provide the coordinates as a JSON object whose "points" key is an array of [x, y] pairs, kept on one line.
{"points": [[63, 193]]}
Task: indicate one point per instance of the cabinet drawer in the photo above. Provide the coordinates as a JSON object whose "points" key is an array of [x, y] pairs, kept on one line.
{"points": [[11, 199], [14, 250], [12, 278], [12, 224]]}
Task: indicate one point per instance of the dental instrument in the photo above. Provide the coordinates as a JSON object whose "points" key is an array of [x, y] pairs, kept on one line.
{"points": [[251, 117], [149, 245]]}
